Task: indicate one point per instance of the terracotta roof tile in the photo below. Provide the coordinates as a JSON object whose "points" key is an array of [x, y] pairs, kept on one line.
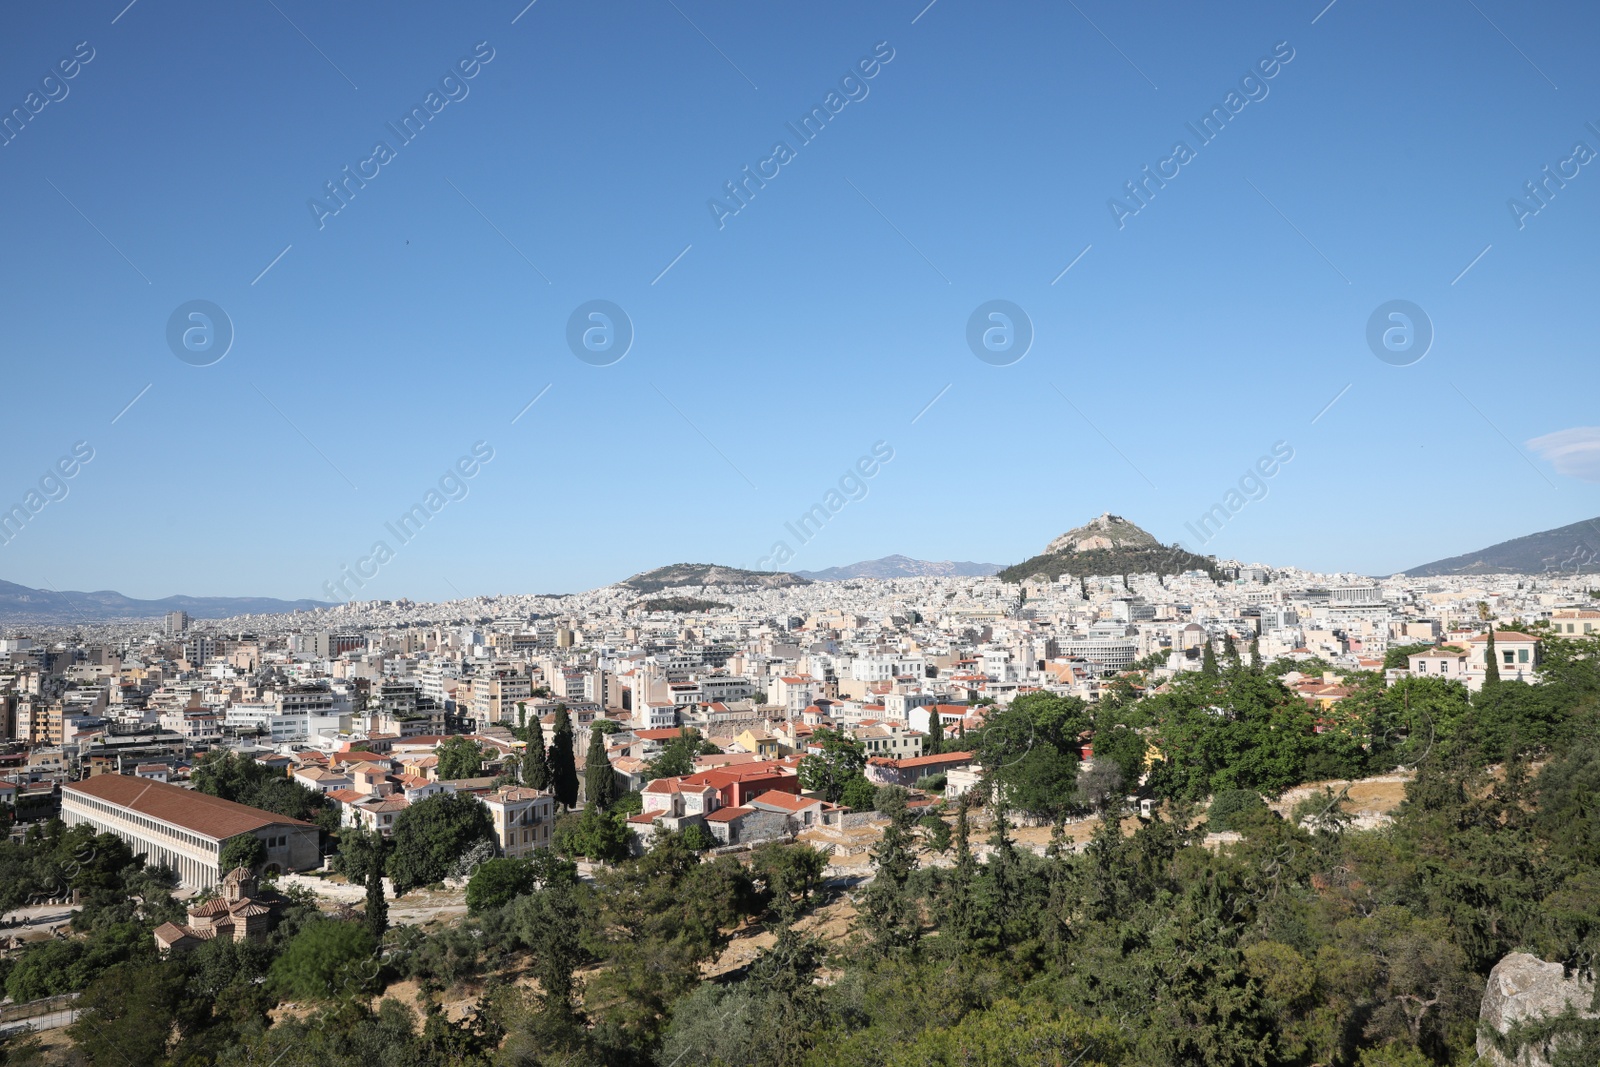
{"points": [[190, 809]]}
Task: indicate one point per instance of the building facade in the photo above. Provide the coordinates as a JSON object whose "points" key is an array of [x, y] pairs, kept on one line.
{"points": [[184, 829]]}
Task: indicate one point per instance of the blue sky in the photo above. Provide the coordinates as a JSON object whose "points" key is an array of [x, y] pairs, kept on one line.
{"points": [[1220, 319]]}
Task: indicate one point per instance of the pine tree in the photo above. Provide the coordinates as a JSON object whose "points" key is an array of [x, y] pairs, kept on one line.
{"points": [[563, 762], [1208, 660], [935, 743], [599, 779], [377, 906], [1255, 653], [1491, 667], [535, 763]]}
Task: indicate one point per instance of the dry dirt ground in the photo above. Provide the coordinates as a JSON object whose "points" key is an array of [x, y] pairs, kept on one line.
{"points": [[415, 908], [1371, 800], [832, 923]]}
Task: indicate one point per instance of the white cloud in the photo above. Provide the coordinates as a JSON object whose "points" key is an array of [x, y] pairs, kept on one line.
{"points": [[1574, 452]]}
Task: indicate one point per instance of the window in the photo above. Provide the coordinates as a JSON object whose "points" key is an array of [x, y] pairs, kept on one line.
{"points": [[1522, 655], [1510, 657]]}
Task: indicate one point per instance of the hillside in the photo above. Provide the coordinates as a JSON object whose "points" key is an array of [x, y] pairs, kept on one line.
{"points": [[40, 605], [680, 604], [708, 574], [1573, 549], [898, 566], [1109, 544], [1160, 560]]}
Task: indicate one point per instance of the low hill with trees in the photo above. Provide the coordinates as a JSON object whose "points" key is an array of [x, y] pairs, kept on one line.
{"points": [[676, 575], [1109, 544]]}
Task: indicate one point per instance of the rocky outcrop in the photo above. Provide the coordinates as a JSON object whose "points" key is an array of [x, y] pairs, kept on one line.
{"points": [[1524, 988], [1107, 532]]}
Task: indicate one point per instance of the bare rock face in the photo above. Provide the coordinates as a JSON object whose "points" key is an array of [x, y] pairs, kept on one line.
{"points": [[1107, 532], [1523, 987]]}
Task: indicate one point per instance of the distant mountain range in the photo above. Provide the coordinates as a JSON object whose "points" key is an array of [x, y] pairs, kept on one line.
{"points": [[1109, 544], [1571, 549], [903, 567], [708, 574], [18, 602]]}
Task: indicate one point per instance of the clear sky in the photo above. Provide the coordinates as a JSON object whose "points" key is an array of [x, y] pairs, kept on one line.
{"points": [[774, 347]]}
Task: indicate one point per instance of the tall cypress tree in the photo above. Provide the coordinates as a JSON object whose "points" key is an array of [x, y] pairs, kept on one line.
{"points": [[1255, 653], [958, 899], [1231, 651], [535, 764], [1002, 868], [599, 779], [563, 762], [890, 911], [935, 743], [377, 917], [1208, 660], [1491, 665]]}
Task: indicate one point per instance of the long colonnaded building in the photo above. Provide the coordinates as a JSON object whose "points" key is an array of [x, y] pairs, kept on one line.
{"points": [[183, 828]]}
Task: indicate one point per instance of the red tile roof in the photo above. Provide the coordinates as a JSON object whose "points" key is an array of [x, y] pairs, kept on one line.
{"points": [[936, 760], [787, 801], [197, 812], [726, 814]]}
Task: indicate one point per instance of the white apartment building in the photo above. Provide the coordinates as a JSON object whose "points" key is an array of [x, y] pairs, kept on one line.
{"points": [[884, 668], [198, 727], [1107, 653], [793, 693], [888, 740]]}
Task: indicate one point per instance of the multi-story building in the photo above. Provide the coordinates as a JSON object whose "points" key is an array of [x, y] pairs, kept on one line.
{"points": [[495, 695], [889, 739], [330, 645], [202, 727], [721, 688], [522, 818], [1107, 653], [793, 692]]}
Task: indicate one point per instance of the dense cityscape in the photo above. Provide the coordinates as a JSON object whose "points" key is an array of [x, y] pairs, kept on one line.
{"points": [[359, 781]]}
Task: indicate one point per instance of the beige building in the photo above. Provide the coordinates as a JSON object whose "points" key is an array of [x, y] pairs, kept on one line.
{"points": [[1574, 622], [522, 819]]}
